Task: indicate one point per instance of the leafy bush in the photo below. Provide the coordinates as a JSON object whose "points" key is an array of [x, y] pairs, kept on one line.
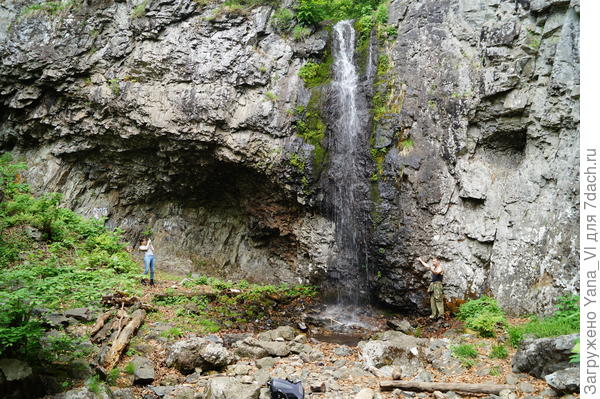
{"points": [[576, 352], [283, 20], [486, 323], [474, 307], [482, 315], [498, 352], [565, 320]]}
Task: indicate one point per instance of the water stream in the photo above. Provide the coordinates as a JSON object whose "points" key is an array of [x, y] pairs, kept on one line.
{"points": [[347, 181]]}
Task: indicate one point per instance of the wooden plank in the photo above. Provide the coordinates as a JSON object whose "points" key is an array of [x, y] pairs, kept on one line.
{"points": [[122, 340]]}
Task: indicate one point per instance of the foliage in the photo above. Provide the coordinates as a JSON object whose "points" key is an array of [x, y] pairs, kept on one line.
{"points": [[50, 257], [271, 96], [474, 307], [115, 86], [112, 376], [139, 10], [129, 368], [49, 7], [486, 323], [94, 384], [172, 332], [466, 353], [301, 32], [565, 320], [283, 20], [314, 74], [313, 12], [576, 352], [498, 352]]}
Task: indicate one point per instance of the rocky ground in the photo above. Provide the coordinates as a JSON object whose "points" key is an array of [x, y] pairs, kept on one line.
{"points": [[165, 362]]}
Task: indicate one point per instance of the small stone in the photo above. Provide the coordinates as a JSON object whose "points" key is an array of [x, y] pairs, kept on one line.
{"points": [[143, 373], [452, 395], [549, 393], [365, 394], [512, 379], [342, 351], [438, 395], [318, 387], [339, 363], [423, 376], [525, 387], [507, 394], [266, 363], [246, 379]]}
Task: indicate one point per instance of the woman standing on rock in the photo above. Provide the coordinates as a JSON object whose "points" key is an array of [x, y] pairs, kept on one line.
{"points": [[436, 289], [146, 245]]}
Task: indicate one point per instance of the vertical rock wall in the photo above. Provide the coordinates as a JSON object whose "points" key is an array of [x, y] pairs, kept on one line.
{"points": [[176, 118], [488, 181]]}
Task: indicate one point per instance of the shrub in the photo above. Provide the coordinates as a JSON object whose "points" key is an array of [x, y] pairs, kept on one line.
{"points": [[474, 307], [498, 352], [486, 323], [314, 74], [283, 20]]}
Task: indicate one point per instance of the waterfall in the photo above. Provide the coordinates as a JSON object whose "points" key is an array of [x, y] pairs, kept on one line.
{"points": [[348, 171]]}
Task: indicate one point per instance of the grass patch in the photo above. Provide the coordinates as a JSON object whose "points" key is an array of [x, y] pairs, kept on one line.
{"points": [[465, 353], [498, 352], [129, 368], [565, 320]]}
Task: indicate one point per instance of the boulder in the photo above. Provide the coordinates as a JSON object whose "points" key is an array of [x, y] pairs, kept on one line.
{"points": [[256, 349], [566, 380], [231, 388], [180, 392], [543, 356], [285, 332], [394, 348], [143, 370], [186, 355], [84, 393], [15, 369], [81, 314], [400, 325]]}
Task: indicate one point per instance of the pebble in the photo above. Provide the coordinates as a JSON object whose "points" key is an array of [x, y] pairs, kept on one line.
{"points": [[525, 387], [365, 394]]}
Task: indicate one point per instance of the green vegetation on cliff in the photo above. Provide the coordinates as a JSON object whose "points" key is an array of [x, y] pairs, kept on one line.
{"points": [[50, 258]]}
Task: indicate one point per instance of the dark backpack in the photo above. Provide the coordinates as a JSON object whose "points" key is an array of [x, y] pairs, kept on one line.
{"points": [[285, 389]]}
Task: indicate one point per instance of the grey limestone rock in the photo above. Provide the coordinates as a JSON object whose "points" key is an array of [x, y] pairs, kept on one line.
{"points": [[543, 356], [188, 354], [143, 370], [230, 388], [566, 380]]}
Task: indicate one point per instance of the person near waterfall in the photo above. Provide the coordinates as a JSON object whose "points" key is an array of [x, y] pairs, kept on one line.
{"points": [[436, 289], [148, 248]]}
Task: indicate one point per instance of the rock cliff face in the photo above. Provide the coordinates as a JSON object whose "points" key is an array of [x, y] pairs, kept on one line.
{"points": [[176, 117]]}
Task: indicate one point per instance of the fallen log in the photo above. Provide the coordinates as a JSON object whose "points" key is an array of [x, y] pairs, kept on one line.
{"points": [[200, 290], [122, 340], [443, 386], [100, 321]]}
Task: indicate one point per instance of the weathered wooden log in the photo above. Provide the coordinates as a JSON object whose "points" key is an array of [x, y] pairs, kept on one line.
{"points": [[122, 340], [443, 386], [100, 321], [119, 298], [200, 290]]}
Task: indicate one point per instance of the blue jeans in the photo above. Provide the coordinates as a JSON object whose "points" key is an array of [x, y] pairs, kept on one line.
{"points": [[149, 264]]}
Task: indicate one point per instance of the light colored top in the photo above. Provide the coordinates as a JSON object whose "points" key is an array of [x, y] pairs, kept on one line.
{"points": [[149, 248]]}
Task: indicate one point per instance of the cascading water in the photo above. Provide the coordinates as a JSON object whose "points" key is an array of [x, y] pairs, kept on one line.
{"points": [[347, 182]]}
